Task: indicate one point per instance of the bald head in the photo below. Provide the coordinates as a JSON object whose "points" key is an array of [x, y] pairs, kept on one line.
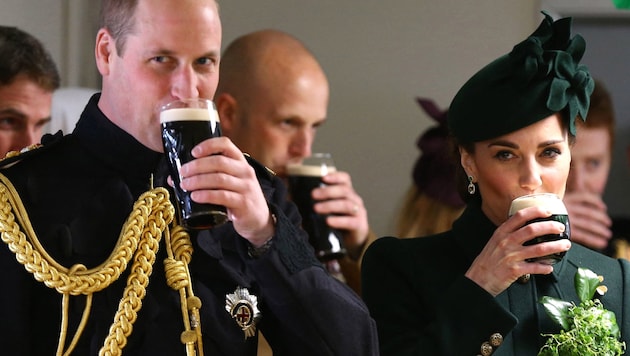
{"points": [[272, 97], [262, 60]]}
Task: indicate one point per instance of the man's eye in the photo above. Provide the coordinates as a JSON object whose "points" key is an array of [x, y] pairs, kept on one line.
{"points": [[8, 123], [288, 123], [205, 61], [593, 163], [160, 59]]}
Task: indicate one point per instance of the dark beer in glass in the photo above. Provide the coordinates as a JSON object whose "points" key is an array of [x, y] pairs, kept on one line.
{"points": [[302, 179], [559, 214], [186, 123]]}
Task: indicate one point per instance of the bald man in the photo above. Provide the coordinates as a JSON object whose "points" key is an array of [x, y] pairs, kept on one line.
{"points": [[272, 97]]}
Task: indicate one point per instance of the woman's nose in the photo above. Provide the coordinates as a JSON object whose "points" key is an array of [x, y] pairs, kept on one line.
{"points": [[530, 178]]}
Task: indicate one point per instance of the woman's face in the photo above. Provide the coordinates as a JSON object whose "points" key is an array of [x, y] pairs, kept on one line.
{"points": [[534, 159]]}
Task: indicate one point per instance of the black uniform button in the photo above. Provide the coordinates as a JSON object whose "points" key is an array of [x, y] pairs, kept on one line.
{"points": [[496, 340]]}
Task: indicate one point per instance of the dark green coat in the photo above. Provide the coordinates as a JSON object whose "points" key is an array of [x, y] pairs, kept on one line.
{"points": [[424, 305]]}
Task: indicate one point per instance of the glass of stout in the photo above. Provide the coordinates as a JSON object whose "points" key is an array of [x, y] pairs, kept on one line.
{"points": [[185, 123], [302, 179], [559, 214]]}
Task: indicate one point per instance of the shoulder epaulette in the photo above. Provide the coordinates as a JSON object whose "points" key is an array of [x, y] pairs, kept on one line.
{"points": [[261, 170], [48, 141]]}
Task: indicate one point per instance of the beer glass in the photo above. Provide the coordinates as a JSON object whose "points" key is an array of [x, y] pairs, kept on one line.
{"points": [[302, 179], [559, 214], [185, 123]]}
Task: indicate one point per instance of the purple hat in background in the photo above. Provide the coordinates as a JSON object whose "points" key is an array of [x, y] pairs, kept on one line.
{"points": [[434, 172]]}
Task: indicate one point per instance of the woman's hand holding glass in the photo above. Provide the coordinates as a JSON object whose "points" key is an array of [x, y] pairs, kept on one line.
{"points": [[503, 260]]}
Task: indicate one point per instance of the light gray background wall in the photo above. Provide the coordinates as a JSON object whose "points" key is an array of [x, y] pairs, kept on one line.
{"points": [[379, 55]]}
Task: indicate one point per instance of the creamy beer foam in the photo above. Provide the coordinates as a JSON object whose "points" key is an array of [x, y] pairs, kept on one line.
{"points": [[309, 171], [548, 200], [188, 114]]}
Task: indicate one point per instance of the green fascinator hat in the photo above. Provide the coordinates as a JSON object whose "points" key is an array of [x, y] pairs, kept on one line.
{"points": [[540, 77]]}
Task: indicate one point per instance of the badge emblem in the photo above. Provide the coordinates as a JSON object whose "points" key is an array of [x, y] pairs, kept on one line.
{"points": [[243, 307]]}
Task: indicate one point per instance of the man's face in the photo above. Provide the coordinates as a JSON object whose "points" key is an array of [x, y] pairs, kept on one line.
{"points": [[171, 53], [24, 111], [278, 125]]}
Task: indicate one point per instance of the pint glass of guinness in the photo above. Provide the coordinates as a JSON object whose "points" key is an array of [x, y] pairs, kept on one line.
{"points": [[559, 214], [303, 178], [186, 123]]}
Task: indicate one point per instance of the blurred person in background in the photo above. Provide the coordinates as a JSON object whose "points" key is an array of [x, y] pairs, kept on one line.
{"points": [[432, 202], [28, 78], [591, 157], [591, 223], [272, 98]]}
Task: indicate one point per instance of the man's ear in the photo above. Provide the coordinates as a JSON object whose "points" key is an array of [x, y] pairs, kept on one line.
{"points": [[104, 49], [226, 108]]}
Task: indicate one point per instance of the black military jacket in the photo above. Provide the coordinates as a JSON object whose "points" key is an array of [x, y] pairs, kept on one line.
{"points": [[424, 305], [79, 189]]}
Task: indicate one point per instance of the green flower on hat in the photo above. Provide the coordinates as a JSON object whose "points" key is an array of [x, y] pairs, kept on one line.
{"points": [[539, 77], [530, 52], [571, 88], [571, 84]]}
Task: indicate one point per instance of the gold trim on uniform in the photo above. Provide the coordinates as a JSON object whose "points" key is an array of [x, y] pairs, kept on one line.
{"points": [[23, 150], [243, 307]]}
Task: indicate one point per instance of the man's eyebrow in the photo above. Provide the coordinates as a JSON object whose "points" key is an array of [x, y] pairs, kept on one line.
{"points": [[12, 111], [168, 52]]}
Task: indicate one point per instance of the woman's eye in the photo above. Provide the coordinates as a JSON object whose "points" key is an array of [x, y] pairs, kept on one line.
{"points": [[504, 155], [551, 152]]}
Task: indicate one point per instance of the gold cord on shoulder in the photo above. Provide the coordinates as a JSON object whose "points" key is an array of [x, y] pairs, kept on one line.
{"points": [[140, 237]]}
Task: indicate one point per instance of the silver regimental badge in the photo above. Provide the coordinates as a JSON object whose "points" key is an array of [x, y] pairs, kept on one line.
{"points": [[243, 307]]}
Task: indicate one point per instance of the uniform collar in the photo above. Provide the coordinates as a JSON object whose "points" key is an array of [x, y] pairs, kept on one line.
{"points": [[113, 146]]}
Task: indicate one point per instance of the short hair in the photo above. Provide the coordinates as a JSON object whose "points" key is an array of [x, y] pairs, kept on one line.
{"points": [[601, 113], [23, 54], [117, 17]]}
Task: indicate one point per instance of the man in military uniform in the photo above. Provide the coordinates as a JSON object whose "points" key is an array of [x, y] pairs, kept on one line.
{"points": [[82, 222]]}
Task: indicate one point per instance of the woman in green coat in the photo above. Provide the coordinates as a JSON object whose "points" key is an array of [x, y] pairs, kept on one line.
{"points": [[471, 290]]}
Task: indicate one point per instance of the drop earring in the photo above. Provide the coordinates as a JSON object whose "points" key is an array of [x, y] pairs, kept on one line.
{"points": [[471, 186]]}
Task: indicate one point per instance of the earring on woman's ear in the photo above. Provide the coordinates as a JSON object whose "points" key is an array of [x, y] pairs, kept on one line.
{"points": [[471, 186]]}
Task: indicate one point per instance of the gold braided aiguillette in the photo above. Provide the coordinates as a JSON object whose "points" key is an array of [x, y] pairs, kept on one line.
{"points": [[151, 215]]}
